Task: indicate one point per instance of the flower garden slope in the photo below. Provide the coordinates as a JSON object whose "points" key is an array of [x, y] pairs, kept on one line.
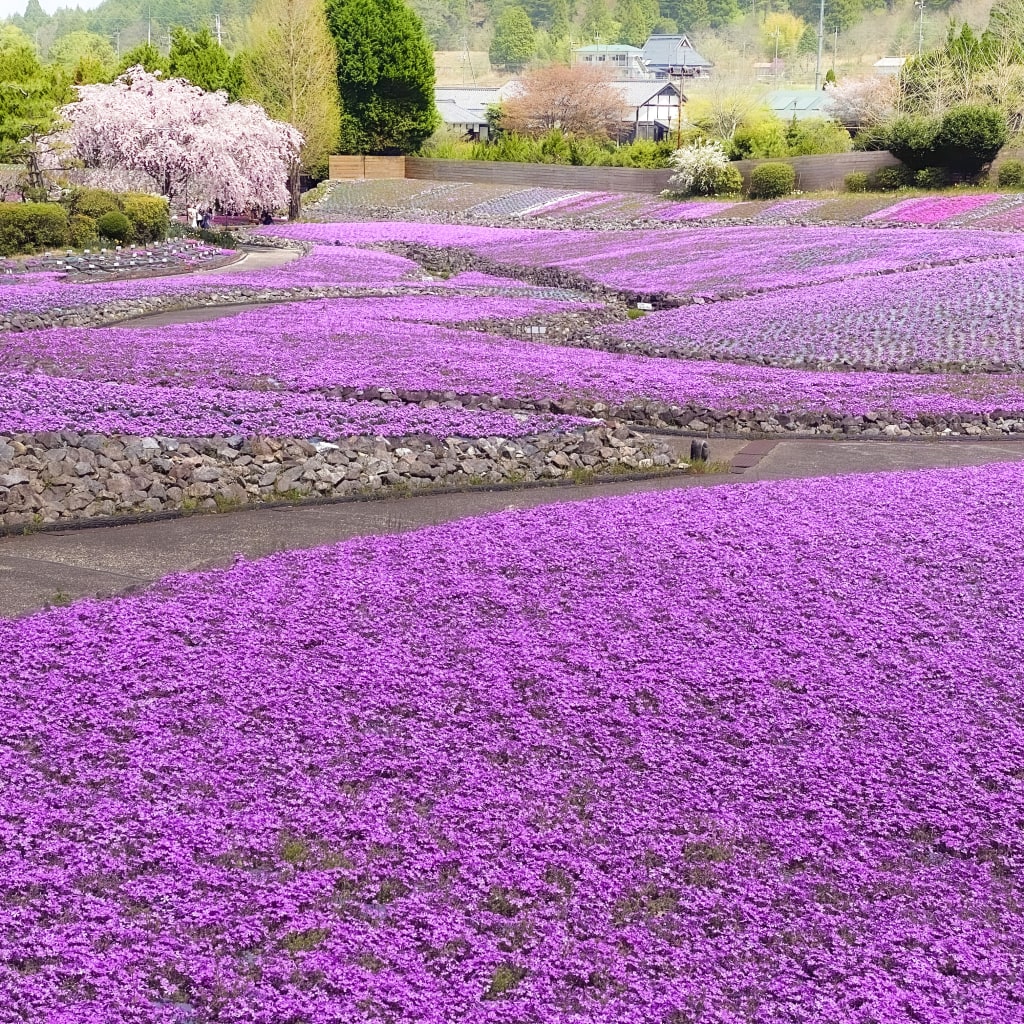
{"points": [[689, 263], [273, 356], [959, 317], [738, 755]]}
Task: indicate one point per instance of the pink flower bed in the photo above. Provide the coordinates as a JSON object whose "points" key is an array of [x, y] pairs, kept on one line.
{"points": [[947, 317], [687, 262], [320, 346], [931, 209], [747, 753]]}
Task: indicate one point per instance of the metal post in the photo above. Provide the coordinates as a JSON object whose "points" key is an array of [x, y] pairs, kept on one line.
{"points": [[920, 5], [821, 39]]}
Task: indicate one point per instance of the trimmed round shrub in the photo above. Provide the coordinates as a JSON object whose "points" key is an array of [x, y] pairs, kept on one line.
{"points": [[1011, 174], [856, 181], [970, 137], [30, 227], [115, 226], [770, 181], [914, 140], [728, 182], [931, 177], [889, 179], [149, 215], [81, 231]]}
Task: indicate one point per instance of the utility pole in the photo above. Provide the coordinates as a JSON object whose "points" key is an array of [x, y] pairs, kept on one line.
{"points": [[218, 30], [117, 38], [920, 5], [835, 50], [821, 39]]}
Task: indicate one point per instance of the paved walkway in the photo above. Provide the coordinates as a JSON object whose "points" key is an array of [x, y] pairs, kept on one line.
{"points": [[59, 566]]}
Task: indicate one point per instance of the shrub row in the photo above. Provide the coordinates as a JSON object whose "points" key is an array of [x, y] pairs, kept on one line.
{"points": [[81, 218], [960, 143], [148, 216], [30, 227]]}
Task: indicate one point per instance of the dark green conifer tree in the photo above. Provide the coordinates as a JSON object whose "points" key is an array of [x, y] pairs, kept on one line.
{"points": [[385, 76]]}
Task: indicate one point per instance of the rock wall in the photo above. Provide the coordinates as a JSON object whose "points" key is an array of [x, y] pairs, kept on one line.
{"points": [[65, 476], [699, 419]]}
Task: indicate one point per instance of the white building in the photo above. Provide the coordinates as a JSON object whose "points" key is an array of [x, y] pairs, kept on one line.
{"points": [[619, 59]]}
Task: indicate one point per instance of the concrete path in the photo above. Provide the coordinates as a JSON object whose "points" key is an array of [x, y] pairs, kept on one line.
{"points": [[56, 567], [257, 258]]}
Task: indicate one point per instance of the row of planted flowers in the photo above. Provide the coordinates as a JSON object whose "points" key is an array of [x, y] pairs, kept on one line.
{"points": [[277, 368], [947, 318], [722, 755], [686, 264]]}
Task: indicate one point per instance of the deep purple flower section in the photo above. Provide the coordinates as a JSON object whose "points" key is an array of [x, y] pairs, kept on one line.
{"points": [[691, 262], [749, 753], [944, 316], [350, 343], [35, 402]]}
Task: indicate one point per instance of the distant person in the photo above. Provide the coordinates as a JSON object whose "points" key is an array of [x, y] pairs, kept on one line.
{"points": [[266, 217], [207, 220], [193, 217]]}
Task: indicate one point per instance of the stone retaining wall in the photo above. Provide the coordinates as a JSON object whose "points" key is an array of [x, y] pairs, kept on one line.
{"points": [[61, 476], [693, 418]]}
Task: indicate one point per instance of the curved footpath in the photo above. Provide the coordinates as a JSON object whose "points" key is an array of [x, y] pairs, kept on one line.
{"points": [[61, 566]]}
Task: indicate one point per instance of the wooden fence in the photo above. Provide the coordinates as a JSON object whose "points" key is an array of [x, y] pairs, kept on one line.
{"points": [[586, 179], [818, 173], [813, 173], [347, 168]]}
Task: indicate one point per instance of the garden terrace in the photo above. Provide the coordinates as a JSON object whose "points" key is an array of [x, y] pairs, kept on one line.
{"points": [[298, 366], [496, 205], [50, 299], [794, 793], [673, 267], [952, 318], [176, 256]]}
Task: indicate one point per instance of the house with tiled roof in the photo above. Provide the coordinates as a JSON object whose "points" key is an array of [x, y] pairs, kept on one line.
{"points": [[675, 56]]}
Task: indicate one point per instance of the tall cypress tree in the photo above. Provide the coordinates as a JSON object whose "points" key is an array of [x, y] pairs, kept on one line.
{"points": [[385, 76]]}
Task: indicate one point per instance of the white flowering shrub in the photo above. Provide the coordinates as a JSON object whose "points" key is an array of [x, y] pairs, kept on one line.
{"points": [[702, 169]]}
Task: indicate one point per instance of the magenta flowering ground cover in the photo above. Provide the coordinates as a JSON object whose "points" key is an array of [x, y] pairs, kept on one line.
{"points": [[933, 209], [957, 316], [743, 754], [295, 349], [323, 266], [30, 403], [689, 262]]}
